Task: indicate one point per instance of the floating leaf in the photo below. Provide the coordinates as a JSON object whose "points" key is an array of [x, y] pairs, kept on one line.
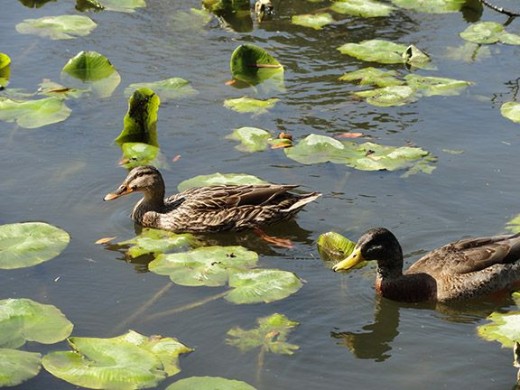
{"points": [[432, 86], [511, 110], [431, 6], [468, 52], [30, 243], [334, 247], [262, 285], [226, 5], [315, 21], [209, 383], [373, 76], [50, 88], [416, 58], [252, 64], [207, 266], [128, 361], [216, 179], [157, 241], [138, 153], [31, 114], [252, 139], [88, 5], [246, 104], [123, 5], [504, 328], [194, 19], [58, 27], [271, 335], [5, 70], [24, 320], [398, 95], [489, 32], [363, 8], [17, 366], [172, 88], [375, 50], [513, 225]]}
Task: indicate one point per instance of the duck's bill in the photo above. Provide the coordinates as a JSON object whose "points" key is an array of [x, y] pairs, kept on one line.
{"points": [[120, 192], [351, 261]]}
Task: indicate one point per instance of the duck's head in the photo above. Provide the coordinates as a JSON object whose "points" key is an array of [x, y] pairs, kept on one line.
{"points": [[375, 244], [146, 179]]}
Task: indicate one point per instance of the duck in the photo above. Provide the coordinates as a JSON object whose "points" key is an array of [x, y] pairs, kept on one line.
{"points": [[210, 209], [463, 269]]}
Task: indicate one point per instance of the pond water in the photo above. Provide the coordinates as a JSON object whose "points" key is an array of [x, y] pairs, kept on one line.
{"points": [[347, 336]]}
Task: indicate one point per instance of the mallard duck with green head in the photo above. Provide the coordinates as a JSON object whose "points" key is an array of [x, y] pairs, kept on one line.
{"points": [[463, 269]]}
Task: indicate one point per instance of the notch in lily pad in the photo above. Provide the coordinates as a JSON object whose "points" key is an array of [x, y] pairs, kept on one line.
{"points": [[252, 65]]}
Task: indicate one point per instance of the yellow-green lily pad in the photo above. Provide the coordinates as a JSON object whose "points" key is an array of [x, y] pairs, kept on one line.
{"points": [[373, 76], [375, 50], [252, 139], [18, 366], [5, 70], [209, 383], [333, 246], [432, 86], [169, 89], [122, 5], [397, 95], [250, 105], [513, 225], [31, 114], [363, 8], [252, 64], [58, 27], [511, 111], [316, 21], [504, 328], [431, 6], [216, 179], [489, 32], [155, 241]]}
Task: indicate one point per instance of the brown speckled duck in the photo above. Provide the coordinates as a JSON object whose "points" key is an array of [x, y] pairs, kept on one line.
{"points": [[459, 270], [209, 209]]}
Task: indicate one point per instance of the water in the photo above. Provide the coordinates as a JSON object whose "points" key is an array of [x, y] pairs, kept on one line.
{"points": [[347, 336]]}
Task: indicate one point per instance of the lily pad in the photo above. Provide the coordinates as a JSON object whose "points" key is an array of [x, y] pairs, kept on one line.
{"points": [[432, 86], [270, 335], [246, 104], [169, 89], [30, 243], [207, 266], [262, 285], [127, 361], [252, 139], [416, 58], [24, 320], [431, 6], [489, 32], [373, 76], [31, 114], [511, 111], [139, 153], [123, 5], [315, 21], [363, 8], [513, 225], [398, 95], [253, 65], [504, 328], [333, 246], [88, 5], [5, 70], [50, 88], [468, 52], [216, 179], [209, 383], [17, 366], [58, 27], [375, 50], [157, 241], [226, 5]]}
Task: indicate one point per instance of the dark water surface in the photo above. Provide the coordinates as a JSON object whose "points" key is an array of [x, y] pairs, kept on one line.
{"points": [[348, 337]]}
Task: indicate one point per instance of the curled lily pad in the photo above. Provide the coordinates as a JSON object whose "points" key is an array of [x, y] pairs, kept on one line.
{"points": [[397, 95], [504, 328], [5, 70], [172, 88], [207, 266], [252, 139], [31, 114], [58, 27], [315, 21], [270, 335], [334, 247], [489, 32], [122, 5], [375, 50], [219, 179], [157, 241], [511, 110], [431, 6], [30, 243], [209, 383], [246, 104], [373, 76], [416, 58], [432, 86], [139, 153], [17, 366], [127, 361], [24, 320], [363, 8], [252, 64], [262, 285]]}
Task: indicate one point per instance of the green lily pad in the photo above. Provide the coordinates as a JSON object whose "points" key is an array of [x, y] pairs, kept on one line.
{"points": [[416, 58], [209, 383], [261, 285], [216, 179], [246, 104], [226, 5], [367, 156], [58, 27], [139, 153], [51, 88], [252, 64], [193, 19], [489, 32], [363, 8], [88, 5], [468, 52], [270, 335], [373, 76], [17, 366], [31, 114], [432, 86], [169, 89], [398, 95], [375, 50], [157, 241], [333, 246], [431, 6], [30, 243], [206, 266], [24, 320], [128, 361], [511, 111], [504, 328], [5, 70], [123, 5], [513, 225], [315, 21], [252, 139]]}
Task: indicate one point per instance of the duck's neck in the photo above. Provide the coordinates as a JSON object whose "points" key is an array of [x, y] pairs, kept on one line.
{"points": [[151, 201], [391, 283]]}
